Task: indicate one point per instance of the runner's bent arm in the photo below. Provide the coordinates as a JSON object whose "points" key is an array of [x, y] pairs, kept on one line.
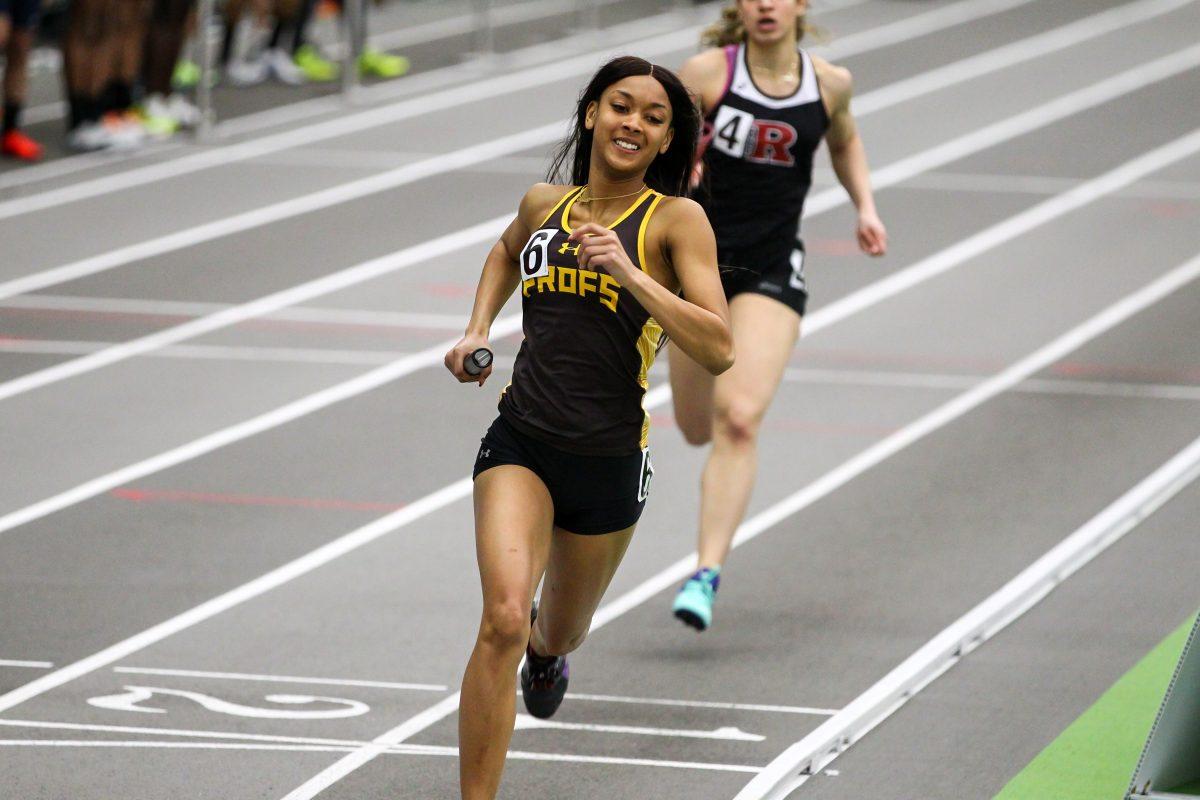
{"points": [[699, 325], [498, 281]]}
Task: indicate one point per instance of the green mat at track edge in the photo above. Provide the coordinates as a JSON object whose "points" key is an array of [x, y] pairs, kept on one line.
{"points": [[1094, 758]]}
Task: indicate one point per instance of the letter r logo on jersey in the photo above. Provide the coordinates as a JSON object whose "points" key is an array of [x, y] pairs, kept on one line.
{"points": [[772, 143]]}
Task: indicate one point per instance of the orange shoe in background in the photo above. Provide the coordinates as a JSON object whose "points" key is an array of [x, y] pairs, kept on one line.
{"points": [[17, 145]]}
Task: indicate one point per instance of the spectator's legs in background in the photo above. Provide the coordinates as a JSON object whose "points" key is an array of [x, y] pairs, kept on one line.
{"points": [[88, 58], [16, 40], [187, 69], [316, 68], [129, 35], [242, 61], [166, 111], [373, 62], [279, 57]]}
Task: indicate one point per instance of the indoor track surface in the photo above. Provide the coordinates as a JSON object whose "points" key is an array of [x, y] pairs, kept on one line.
{"points": [[236, 541]]}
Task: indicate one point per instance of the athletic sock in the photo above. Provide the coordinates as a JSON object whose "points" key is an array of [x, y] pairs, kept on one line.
{"points": [[12, 117], [117, 96]]}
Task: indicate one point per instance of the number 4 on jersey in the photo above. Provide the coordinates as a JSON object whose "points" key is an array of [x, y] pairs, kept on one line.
{"points": [[731, 131]]}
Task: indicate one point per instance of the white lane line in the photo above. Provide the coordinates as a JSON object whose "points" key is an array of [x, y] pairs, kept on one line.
{"points": [[208, 352], [344, 745], [991, 135], [485, 89], [359, 273], [242, 430], [1009, 55], [250, 676], [525, 722], [352, 317], [141, 744], [399, 37], [838, 377], [1026, 122], [831, 481], [522, 755], [189, 733], [947, 382], [794, 766], [653, 701], [8, 662], [478, 154], [1031, 184], [286, 209], [419, 85], [478, 90], [855, 302], [1111, 389]]}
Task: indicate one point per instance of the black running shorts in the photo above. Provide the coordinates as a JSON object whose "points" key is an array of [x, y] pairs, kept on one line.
{"points": [[591, 494], [767, 271]]}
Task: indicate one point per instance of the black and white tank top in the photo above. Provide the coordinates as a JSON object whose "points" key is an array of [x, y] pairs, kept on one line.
{"points": [[758, 161]]}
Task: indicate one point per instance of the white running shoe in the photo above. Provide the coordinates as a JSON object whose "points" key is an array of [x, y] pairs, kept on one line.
{"points": [[157, 118], [125, 131], [89, 137], [247, 72], [283, 68], [186, 112]]}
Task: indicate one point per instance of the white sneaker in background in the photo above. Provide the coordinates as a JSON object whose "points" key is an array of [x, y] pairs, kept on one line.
{"points": [[247, 72], [157, 119], [184, 111], [283, 68], [125, 132], [89, 137]]}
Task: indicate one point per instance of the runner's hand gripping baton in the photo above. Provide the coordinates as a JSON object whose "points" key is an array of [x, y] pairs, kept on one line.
{"points": [[477, 361]]}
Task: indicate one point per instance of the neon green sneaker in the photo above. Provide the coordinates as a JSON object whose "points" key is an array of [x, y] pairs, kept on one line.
{"points": [[156, 117], [186, 75], [315, 67], [379, 64]]}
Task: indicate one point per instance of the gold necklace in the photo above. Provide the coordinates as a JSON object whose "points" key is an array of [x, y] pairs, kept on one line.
{"points": [[790, 74], [581, 199]]}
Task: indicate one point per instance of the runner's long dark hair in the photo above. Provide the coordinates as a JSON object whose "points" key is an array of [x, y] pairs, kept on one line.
{"points": [[669, 171]]}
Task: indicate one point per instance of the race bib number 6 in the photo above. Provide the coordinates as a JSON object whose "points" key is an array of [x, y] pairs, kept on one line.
{"points": [[535, 256]]}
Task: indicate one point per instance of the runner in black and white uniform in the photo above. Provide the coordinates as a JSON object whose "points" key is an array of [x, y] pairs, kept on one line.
{"points": [[767, 106]]}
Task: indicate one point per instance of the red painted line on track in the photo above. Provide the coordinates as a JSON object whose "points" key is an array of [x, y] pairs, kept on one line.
{"points": [[215, 498]]}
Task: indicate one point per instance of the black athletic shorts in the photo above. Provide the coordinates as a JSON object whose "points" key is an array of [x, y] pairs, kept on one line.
{"points": [[766, 271], [23, 13], [591, 494]]}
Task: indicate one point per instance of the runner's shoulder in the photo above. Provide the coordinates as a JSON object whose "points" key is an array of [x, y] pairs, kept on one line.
{"points": [[705, 71], [678, 214], [836, 81], [539, 200]]}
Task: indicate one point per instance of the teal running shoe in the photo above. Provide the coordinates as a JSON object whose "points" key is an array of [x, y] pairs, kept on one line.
{"points": [[694, 603]]}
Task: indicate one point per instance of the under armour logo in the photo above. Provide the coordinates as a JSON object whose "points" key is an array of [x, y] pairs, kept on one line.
{"points": [[485, 453]]}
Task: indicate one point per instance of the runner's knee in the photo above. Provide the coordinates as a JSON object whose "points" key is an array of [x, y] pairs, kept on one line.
{"points": [[505, 624], [738, 419]]}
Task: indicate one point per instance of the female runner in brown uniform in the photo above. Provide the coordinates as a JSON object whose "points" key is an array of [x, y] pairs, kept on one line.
{"points": [[768, 106], [562, 475]]}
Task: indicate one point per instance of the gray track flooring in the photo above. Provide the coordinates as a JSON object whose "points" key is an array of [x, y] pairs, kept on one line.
{"points": [[176, 481]]}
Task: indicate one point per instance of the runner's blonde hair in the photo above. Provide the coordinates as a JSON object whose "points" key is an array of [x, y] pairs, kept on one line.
{"points": [[729, 29]]}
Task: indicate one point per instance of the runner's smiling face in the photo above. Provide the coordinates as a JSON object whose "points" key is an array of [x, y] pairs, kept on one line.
{"points": [[630, 124], [769, 21]]}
